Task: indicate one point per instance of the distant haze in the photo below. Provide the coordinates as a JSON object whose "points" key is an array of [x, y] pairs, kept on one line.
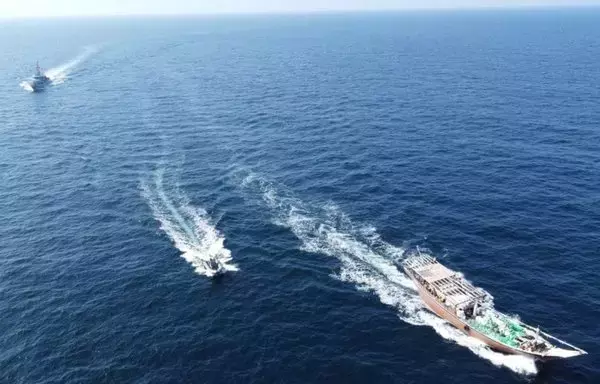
{"points": [[57, 8]]}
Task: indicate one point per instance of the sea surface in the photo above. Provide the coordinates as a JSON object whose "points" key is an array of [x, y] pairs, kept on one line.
{"points": [[309, 153]]}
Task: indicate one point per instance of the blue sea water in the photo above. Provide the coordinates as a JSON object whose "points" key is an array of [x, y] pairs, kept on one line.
{"points": [[308, 152]]}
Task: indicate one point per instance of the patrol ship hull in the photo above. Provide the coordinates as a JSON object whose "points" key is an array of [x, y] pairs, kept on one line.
{"points": [[39, 84], [39, 81]]}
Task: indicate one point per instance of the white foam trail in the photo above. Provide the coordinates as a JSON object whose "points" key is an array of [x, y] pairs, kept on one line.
{"points": [[59, 74], [368, 263], [189, 227]]}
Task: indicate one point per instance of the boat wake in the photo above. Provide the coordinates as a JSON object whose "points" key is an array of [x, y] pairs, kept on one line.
{"points": [[189, 227], [59, 74], [367, 261]]}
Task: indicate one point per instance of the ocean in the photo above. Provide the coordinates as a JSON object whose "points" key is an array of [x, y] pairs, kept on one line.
{"points": [[309, 153]]}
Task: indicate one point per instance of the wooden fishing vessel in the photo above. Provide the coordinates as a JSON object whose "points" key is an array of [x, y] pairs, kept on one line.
{"points": [[471, 309]]}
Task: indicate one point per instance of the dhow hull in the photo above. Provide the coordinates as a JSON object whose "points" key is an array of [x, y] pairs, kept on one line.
{"points": [[438, 309]]}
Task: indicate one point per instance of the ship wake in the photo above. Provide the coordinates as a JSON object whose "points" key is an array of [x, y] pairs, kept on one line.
{"points": [[366, 261], [59, 74], [190, 228]]}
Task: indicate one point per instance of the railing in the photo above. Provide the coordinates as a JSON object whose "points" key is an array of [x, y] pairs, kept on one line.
{"points": [[420, 260]]}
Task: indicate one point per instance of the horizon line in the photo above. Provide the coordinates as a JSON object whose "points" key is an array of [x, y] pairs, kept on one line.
{"points": [[511, 7]]}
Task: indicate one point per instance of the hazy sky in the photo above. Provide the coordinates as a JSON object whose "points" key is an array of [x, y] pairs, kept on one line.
{"points": [[50, 8]]}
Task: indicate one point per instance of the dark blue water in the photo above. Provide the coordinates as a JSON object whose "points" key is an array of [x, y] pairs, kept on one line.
{"points": [[308, 153]]}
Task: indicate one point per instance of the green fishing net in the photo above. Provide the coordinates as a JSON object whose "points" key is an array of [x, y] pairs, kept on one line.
{"points": [[505, 334]]}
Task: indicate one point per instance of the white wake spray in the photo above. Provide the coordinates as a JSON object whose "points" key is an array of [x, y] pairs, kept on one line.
{"points": [[59, 74], [368, 263], [26, 86], [190, 228]]}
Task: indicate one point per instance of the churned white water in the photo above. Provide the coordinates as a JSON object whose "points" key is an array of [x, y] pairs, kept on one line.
{"points": [[61, 72], [189, 227]]}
